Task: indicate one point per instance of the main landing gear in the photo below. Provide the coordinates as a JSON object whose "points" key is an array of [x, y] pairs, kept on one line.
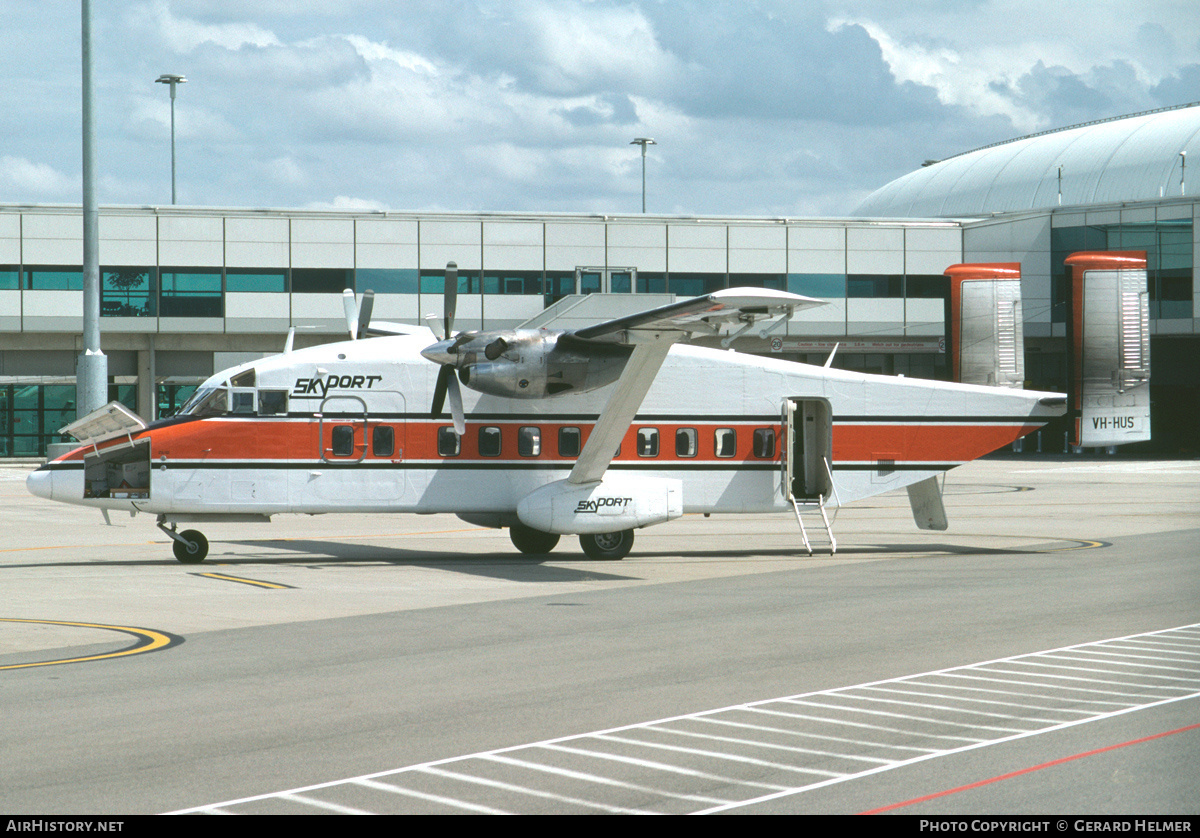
{"points": [[190, 546], [607, 546]]}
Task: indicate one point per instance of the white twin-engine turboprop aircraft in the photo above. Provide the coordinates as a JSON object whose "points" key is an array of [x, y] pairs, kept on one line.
{"points": [[593, 432]]}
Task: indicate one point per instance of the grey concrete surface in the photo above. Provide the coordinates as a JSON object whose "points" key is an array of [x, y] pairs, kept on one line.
{"points": [[398, 640]]}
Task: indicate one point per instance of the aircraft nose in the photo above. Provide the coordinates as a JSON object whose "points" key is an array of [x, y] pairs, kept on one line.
{"points": [[41, 483]]}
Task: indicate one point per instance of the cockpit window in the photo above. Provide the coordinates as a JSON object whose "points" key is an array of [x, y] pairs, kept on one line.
{"points": [[243, 402], [272, 402], [211, 401], [245, 378]]}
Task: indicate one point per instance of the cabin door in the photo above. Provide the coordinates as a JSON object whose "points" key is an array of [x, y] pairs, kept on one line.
{"points": [[342, 433], [807, 449], [361, 454]]}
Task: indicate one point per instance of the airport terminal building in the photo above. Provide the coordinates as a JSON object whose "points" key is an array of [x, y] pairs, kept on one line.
{"points": [[188, 291]]}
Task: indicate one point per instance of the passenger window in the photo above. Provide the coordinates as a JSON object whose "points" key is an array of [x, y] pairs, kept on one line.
{"points": [[529, 442], [383, 441], [568, 442], [685, 442], [725, 441], [764, 443], [342, 440], [272, 402], [647, 442], [447, 442], [489, 441]]}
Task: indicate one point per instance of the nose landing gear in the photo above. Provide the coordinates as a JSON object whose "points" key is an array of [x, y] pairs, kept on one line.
{"points": [[189, 546]]}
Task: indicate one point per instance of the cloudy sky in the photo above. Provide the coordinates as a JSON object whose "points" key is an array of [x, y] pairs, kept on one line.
{"points": [[764, 107]]}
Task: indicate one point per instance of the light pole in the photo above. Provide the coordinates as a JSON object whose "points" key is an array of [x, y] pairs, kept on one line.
{"points": [[172, 80], [643, 142]]}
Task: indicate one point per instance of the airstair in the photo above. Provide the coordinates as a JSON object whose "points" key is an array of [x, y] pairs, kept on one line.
{"points": [[806, 478], [818, 533]]}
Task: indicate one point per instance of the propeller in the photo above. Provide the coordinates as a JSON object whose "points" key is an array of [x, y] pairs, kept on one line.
{"points": [[447, 381], [358, 318]]}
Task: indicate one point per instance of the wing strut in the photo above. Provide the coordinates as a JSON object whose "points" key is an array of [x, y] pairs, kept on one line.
{"points": [[627, 397]]}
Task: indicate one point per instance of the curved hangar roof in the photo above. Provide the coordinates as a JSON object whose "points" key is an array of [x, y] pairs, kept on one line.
{"points": [[1132, 158]]}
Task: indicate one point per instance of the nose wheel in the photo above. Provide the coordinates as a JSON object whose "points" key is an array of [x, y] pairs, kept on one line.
{"points": [[189, 546]]}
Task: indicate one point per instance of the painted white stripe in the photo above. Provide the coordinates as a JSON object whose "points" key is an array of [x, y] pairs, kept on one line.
{"points": [[984, 678], [1019, 694], [925, 719], [866, 743], [758, 743], [1083, 657], [992, 701], [1008, 716], [762, 763], [847, 723], [1110, 672], [1178, 649], [1057, 687], [432, 798], [662, 766], [546, 795], [323, 804], [963, 749], [596, 778], [1104, 653], [1045, 675]]}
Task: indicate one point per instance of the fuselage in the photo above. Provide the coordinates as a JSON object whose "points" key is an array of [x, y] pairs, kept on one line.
{"points": [[348, 427]]}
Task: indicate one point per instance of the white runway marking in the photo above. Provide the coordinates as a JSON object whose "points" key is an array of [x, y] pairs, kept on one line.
{"points": [[752, 753]]}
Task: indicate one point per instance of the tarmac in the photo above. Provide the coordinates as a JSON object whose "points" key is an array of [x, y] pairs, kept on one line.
{"points": [[320, 649]]}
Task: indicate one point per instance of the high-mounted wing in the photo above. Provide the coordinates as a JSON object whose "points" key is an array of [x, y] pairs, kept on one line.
{"points": [[652, 333], [545, 363], [704, 314]]}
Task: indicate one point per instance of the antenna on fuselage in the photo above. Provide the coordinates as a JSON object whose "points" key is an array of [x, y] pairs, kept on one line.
{"points": [[832, 352]]}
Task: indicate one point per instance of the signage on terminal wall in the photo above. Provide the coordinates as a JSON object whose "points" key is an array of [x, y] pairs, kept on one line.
{"points": [[911, 346]]}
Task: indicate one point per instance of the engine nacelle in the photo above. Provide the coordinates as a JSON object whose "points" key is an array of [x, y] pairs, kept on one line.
{"points": [[616, 503], [533, 365]]}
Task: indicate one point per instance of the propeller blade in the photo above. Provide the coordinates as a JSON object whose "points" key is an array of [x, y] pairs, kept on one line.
{"points": [[350, 304], [456, 404], [450, 294], [364, 312], [439, 389]]}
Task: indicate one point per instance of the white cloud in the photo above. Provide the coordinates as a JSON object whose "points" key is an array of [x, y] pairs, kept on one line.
{"points": [[582, 45], [343, 202], [38, 181], [182, 34], [771, 106]]}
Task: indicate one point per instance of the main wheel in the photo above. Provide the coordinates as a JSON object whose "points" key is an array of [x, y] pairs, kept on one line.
{"points": [[194, 554], [609, 546], [531, 541]]}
